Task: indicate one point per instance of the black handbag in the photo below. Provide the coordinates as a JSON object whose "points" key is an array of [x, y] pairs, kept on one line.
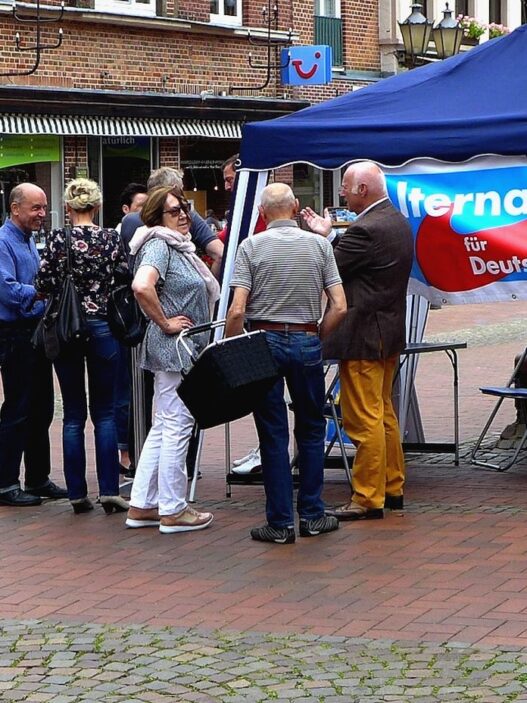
{"points": [[228, 379], [125, 318], [64, 320]]}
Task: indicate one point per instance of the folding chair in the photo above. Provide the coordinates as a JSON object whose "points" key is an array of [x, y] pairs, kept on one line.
{"points": [[333, 412], [501, 392]]}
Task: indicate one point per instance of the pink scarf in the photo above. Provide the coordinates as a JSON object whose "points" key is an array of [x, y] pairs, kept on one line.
{"points": [[183, 244]]}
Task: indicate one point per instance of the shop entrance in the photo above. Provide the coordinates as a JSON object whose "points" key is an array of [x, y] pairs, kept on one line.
{"points": [[124, 160]]}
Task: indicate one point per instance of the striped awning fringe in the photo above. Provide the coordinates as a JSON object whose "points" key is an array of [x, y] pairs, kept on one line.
{"points": [[118, 126]]}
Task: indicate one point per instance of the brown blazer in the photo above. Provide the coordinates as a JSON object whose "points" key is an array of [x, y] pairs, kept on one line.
{"points": [[374, 257]]}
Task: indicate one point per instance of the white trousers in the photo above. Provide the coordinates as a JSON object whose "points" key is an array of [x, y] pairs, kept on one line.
{"points": [[161, 474]]}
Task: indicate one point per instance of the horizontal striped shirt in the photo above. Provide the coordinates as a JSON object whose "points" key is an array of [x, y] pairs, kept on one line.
{"points": [[286, 269]]}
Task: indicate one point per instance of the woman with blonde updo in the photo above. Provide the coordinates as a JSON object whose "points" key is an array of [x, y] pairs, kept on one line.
{"points": [[95, 254]]}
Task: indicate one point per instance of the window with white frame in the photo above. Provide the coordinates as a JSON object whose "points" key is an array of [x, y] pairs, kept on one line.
{"points": [[227, 12], [128, 7], [327, 8]]}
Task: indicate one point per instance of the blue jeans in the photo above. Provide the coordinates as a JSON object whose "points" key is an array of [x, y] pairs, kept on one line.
{"points": [[299, 359], [99, 356]]}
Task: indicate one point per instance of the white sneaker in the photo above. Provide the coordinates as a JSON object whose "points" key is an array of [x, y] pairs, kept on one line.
{"points": [[251, 466], [238, 462]]}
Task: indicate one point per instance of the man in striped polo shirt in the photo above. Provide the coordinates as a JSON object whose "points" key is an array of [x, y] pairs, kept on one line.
{"points": [[278, 281]]}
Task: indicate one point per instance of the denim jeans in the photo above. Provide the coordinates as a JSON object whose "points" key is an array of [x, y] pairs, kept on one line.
{"points": [[99, 356], [27, 410], [299, 360]]}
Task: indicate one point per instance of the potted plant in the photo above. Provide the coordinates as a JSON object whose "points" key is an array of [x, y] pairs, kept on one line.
{"points": [[473, 29], [497, 30]]}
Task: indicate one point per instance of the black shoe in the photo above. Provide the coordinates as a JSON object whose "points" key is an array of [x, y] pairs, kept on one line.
{"points": [[19, 498], [50, 490], [279, 535], [394, 502], [81, 505], [130, 472], [312, 528]]}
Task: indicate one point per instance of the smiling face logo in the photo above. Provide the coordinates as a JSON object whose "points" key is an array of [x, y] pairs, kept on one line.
{"points": [[298, 63], [306, 65]]}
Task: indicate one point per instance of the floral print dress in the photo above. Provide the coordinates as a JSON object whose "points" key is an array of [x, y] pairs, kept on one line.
{"points": [[95, 254]]}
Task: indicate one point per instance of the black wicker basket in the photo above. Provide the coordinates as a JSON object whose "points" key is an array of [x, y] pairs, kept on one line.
{"points": [[229, 378]]}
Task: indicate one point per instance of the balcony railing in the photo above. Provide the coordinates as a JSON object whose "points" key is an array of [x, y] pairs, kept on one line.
{"points": [[328, 30]]}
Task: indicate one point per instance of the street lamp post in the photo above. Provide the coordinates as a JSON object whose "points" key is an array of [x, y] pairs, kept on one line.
{"points": [[447, 35], [417, 31]]}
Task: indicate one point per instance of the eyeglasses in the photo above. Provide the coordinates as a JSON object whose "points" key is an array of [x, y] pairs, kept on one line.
{"points": [[176, 210]]}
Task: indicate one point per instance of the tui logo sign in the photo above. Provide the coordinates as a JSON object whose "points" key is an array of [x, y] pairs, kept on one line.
{"points": [[306, 65], [470, 227]]}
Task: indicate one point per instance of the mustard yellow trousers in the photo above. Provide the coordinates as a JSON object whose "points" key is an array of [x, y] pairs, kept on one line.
{"points": [[370, 421]]}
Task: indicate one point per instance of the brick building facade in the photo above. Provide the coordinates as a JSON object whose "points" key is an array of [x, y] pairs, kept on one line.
{"points": [[141, 83]]}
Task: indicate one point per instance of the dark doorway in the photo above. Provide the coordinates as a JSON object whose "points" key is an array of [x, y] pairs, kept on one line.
{"points": [[124, 160]]}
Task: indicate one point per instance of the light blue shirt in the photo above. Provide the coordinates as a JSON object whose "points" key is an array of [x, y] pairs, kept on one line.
{"points": [[19, 263]]}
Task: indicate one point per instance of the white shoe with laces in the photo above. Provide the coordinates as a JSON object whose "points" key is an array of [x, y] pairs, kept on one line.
{"points": [[252, 466], [247, 457]]}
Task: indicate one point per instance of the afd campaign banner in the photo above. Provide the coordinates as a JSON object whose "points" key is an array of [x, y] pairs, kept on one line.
{"points": [[469, 223]]}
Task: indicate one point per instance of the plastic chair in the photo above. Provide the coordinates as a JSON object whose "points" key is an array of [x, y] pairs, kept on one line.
{"points": [[502, 393]]}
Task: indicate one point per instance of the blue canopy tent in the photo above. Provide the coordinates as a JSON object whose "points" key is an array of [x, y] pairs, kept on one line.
{"points": [[451, 109], [471, 104]]}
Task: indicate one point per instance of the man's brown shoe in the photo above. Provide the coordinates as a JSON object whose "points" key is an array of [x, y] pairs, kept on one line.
{"points": [[142, 517], [354, 511], [185, 521]]}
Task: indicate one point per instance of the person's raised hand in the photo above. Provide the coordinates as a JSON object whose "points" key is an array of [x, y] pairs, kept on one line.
{"points": [[317, 223]]}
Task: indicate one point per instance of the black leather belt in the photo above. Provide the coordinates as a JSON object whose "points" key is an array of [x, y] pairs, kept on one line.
{"points": [[311, 327]]}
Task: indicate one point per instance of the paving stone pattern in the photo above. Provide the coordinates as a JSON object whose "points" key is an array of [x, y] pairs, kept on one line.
{"points": [[425, 605], [69, 664]]}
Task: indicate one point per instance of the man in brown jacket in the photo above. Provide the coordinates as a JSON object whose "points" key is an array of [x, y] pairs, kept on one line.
{"points": [[374, 257]]}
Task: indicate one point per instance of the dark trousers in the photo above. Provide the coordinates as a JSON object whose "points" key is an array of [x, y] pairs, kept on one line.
{"points": [[27, 411]]}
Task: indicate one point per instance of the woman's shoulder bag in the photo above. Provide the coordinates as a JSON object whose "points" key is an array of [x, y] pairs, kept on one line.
{"points": [[125, 318], [64, 320]]}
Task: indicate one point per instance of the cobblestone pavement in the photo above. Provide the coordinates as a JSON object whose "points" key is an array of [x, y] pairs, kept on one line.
{"points": [[71, 663], [429, 607]]}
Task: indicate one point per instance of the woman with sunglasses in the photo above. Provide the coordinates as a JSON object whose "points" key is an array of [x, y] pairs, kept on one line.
{"points": [[176, 291]]}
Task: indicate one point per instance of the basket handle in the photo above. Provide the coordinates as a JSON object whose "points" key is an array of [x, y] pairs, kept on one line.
{"points": [[180, 339]]}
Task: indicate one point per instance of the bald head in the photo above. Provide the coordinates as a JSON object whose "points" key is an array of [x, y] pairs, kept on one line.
{"points": [[363, 183], [28, 206], [278, 202]]}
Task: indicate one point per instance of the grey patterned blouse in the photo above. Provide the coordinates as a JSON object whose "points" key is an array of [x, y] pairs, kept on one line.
{"points": [[181, 291]]}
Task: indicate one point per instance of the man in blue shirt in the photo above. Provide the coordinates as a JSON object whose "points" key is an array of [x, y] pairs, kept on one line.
{"points": [[27, 410]]}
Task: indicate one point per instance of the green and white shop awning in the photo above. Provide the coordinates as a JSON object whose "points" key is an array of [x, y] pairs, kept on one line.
{"points": [[62, 125]]}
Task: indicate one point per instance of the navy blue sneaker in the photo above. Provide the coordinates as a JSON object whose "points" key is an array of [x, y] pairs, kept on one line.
{"points": [[278, 535], [312, 528]]}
